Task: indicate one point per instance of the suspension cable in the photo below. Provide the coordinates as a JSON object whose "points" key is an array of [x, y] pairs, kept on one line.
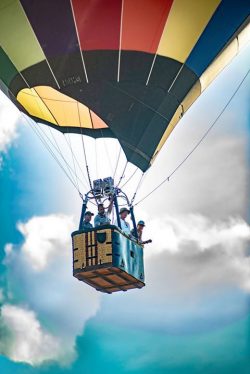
{"points": [[84, 151], [86, 164], [122, 176], [42, 139], [56, 146], [107, 153], [167, 179], [117, 162], [137, 188], [70, 170], [96, 161], [38, 134], [131, 176], [74, 158]]}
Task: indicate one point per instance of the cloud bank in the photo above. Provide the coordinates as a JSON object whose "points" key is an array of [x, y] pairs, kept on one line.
{"points": [[46, 308], [27, 340], [200, 254], [197, 277], [197, 268]]}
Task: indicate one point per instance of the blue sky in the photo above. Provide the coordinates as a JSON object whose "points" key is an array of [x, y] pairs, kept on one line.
{"points": [[193, 315]]}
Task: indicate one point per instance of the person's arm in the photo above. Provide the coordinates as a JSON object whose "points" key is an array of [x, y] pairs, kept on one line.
{"points": [[129, 230], [109, 210], [108, 220], [139, 234], [147, 241], [96, 221], [110, 207]]}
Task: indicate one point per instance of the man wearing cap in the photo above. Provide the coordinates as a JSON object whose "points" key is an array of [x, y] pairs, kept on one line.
{"points": [[124, 224], [86, 225], [140, 226]]}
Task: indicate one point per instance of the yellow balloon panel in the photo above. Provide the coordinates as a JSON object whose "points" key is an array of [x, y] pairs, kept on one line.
{"points": [[186, 21], [34, 105], [59, 109]]}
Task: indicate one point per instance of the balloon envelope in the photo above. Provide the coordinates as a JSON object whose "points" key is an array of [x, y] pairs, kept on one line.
{"points": [[124, 69]]}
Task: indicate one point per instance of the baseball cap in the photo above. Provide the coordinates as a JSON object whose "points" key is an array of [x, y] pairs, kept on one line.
{"points": [[88, 213], [142, 223], [124, 210]]}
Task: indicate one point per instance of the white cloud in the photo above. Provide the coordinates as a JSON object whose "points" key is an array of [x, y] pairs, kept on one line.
{"points": [[29, 342], [197, 276], [213, 182], [40, 276], [8, 249], [208, 252], [197, 268], [45, 239], [204, 232]]}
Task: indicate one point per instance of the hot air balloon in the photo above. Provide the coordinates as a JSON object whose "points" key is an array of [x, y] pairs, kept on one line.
{"points": [[124, 69]]}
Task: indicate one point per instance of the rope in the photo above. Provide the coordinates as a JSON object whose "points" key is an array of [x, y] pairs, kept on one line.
{"points": [[131, 176], [198, 143], [107, 153], [137, 188], [56, 146], [84, 151], [96, 161], [38, 134], [122, 176], [117, 162], [73, 158], [27, 119], [73, 155], [35, 130], [86, 164], [105, 147], [70, 170]]}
